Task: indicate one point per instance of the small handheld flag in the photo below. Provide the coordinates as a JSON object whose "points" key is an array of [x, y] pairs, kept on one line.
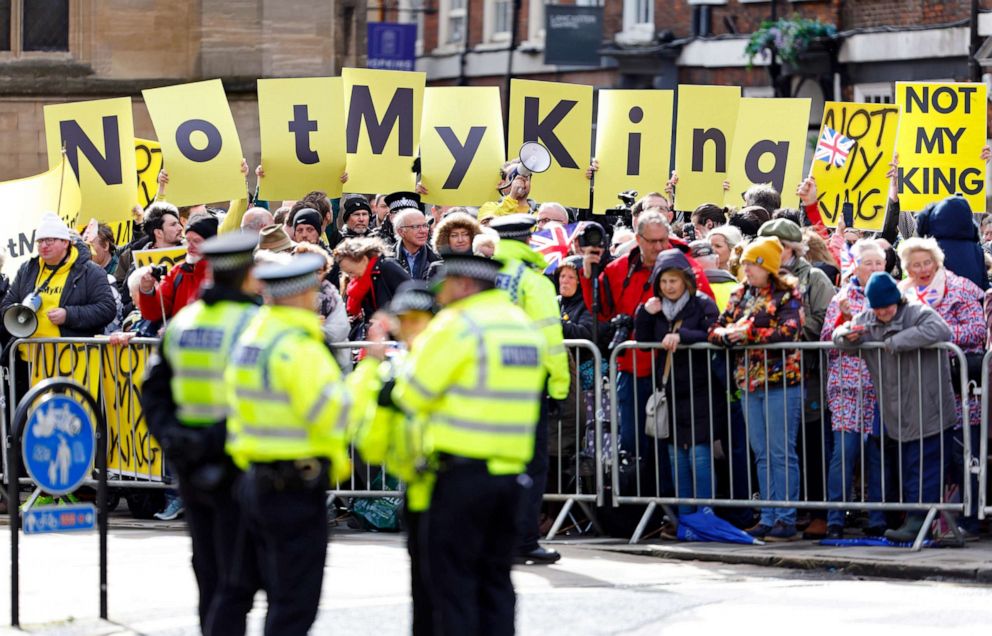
{"points": [[833, 147]]}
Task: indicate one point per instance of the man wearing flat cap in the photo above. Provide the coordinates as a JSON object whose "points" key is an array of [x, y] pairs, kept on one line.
{"points": [[184, 399], [289, 423], [476, 377], [522, 277]]}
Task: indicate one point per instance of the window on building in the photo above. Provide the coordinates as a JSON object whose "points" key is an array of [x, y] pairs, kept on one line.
{"points": [[502, 16], [498, 20], [877, 93], [46, 25], [637, 13], [412, 11], [31, 26], [455, 24], [5, 25]]}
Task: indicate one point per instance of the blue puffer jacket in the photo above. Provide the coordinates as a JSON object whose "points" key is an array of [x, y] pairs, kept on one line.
{"points": [[952, 224]]}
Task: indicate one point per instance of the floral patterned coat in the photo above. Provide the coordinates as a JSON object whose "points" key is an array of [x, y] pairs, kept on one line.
{"points": [[850, 392], [770, 317], [961, 309]]}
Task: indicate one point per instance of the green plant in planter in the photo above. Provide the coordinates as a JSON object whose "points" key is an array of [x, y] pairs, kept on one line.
{"points": [[787, 37]]}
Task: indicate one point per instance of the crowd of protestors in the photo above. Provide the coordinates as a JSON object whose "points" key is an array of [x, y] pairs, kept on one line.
{"points": [[791, 424]]}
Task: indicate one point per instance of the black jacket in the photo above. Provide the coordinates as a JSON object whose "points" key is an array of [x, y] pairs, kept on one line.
{"points": [[387, 275], [576, 319], [697, 391], [87, 299], [425, 256]]}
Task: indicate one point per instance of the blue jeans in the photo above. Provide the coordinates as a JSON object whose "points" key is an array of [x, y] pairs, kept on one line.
{"points": [[850, 448], [922, 468], [692, 473], [773, 424], [631, 427]]}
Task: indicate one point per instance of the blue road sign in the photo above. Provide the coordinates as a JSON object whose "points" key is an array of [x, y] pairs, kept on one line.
{"points": [[392, 46], [54, 518], [58, 445]]}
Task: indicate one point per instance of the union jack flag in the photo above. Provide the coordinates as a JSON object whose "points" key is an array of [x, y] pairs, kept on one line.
{"points": [[554, 243], [833, 147]]}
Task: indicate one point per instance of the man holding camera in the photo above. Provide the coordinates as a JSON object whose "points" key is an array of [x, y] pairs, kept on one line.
{"points": [[162, 296], [624, 285]]}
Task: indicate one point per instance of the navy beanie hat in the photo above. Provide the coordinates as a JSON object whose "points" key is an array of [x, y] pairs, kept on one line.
{"points": [[882, 291]]}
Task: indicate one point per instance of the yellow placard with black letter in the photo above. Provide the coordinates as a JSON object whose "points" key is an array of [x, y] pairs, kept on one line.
{"points": [[858, 141], [301, 124], [200, 144], [148, 163], [162, 256], [704, 137], [942, 130], [769, 147], [558, 116], [382, 128], [633, 144], [98, 137], [461, 143], [23, 201]]}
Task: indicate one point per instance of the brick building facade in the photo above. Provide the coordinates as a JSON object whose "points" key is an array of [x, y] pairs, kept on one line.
{"points": [[660, 43], [71, 50]]}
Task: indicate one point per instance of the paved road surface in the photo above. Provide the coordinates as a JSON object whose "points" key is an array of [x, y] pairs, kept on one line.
{"points": [[590, 592]]}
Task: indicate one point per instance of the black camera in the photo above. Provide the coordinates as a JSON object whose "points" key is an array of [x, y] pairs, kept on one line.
{"points": [[592, 235], [622, 214], [621, 325], [159, 271]]}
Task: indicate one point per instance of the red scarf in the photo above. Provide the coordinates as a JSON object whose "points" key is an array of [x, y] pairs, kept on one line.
{"points": [[358, 288]]}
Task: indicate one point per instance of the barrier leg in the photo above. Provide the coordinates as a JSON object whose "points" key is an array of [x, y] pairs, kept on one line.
{"points": [[560, 519], [591, 516], [948, 517], [924, 529], [643, 524]]}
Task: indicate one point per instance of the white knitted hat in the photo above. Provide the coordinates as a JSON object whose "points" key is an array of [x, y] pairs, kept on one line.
{"points": [[52, 226]]}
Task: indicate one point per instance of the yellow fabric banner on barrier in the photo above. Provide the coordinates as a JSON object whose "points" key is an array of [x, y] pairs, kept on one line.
{"points": [[769, 147], [864, 152], [79, 362], [942, 130], [200, 144], [23, 201], [707, 118], [148, 163], [161, 256], [558, 116], [633, 144], [382, 128], [131, 449], [300, 129], [461, 144], [98, 138]]}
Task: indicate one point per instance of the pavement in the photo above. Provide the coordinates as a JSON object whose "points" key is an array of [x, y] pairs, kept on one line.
{"points": [[598, 588], [970, 563]]}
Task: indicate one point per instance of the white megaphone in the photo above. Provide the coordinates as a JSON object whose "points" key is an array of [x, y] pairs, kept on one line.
{"points": [[21, 320], [534, 158]]}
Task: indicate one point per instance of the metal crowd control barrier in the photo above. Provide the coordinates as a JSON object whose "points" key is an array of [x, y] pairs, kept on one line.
{"points": [[984, 509], [575, 473], [112, 374], [788, 478]]}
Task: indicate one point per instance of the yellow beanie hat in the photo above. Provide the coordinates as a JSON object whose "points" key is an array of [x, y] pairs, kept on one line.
{"points": [[766, 252]]}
